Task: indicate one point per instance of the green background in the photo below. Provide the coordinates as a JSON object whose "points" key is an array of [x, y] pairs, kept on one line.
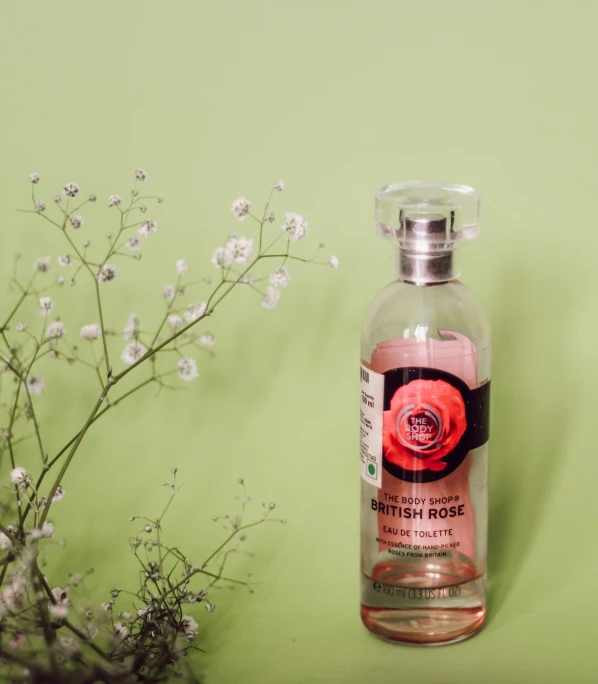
{"points": [[218, 99]]}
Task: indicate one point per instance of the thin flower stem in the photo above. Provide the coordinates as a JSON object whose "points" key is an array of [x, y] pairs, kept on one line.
{"points": [[288, 256], [221, 578], [264, 219], [72, 452], [76, 209], [269, 247], [23, 660], [104, 340], [15, 309], [23, 438], [142, 197], [38, 356], [112, 248], [158, 528], [10, 366], [23, 380], [225, 557], [123, 214], [5, 562], [133, 225], [160, 559], [10, 430], [77, 359], [8, 533], [9, 559], [132, 201], [226, 541], [170, 500], [67, 623], [250, 285], [101, 413], [220, 284], [98, 299], [235, 532], [37, 428], [14, 281], [49, 635], [15, 267], [22, 298], [45, 585], [80, 434], [267, 205], [97, 365], [58, 225], [168, 312], [85, 639]]}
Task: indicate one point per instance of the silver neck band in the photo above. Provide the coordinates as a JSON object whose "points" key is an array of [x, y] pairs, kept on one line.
{"points": [[426, 269]]}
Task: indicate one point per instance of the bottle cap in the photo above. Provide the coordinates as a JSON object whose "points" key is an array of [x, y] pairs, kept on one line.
{"points": [[427, 217]]}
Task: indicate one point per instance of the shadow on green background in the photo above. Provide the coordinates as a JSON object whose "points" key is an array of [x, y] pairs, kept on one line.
{"points": [[525, 474]]}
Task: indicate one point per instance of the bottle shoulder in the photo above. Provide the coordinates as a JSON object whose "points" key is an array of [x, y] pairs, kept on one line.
{"points": [[403, 310]]}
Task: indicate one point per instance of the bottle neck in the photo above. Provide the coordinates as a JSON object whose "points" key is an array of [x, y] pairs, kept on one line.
{"points": [[426, 268]]}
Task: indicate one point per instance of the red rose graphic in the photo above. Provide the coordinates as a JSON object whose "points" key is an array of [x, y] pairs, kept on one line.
{"points": [[425, 423]]}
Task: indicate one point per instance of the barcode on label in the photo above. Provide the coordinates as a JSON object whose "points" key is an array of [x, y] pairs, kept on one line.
{"points": [[365, 376]]}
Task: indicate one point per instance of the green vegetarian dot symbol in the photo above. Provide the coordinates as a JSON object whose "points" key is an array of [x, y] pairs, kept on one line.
{"points": [[372, 469]]}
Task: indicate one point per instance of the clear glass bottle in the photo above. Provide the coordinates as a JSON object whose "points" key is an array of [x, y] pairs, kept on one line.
{"points": [[425, 381]]}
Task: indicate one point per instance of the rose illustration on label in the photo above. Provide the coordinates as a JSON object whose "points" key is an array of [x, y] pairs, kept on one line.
{"points": [[426, 421]]}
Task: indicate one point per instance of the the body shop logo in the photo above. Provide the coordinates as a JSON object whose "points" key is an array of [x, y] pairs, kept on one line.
{"points": [[419, 427], [424, 423], [431, 421]]}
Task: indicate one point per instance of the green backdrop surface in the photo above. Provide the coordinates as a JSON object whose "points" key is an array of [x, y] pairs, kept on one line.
{"points": [[218, 99]]}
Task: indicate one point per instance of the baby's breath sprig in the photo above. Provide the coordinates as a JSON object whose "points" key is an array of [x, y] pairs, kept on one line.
{"points": [[156, 631], [42, 636]]}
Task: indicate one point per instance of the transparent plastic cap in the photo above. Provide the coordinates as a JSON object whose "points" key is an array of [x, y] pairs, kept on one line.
{"points": [[427, 217]]}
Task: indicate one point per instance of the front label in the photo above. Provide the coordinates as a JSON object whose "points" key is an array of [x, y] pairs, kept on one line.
{"points": [[429, 419]]}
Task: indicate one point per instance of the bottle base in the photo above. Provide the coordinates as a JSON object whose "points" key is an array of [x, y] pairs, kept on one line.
{"points": [[440, 601], [423, 626]]}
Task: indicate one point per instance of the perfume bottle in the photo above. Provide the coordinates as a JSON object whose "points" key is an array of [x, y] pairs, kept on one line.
{"points": [[425, 391]]}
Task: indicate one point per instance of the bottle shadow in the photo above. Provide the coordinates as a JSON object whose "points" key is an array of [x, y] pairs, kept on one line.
{"points": [[530, 406]]}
